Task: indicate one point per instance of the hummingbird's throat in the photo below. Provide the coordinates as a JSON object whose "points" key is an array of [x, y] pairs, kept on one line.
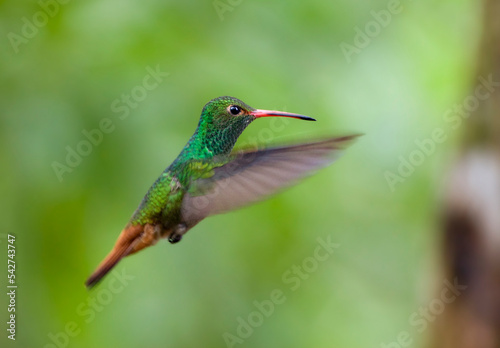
{"points": [[220, 141]]}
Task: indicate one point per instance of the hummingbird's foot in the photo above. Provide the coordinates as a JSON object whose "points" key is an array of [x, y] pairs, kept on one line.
{"points": [[174, 238], [177, 233]]}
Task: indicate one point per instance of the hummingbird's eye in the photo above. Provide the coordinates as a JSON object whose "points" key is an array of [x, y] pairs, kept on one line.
{"points": [[234, 110]]}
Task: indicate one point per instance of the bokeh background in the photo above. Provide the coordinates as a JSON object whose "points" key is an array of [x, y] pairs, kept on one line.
{"points": [[62, 78]]}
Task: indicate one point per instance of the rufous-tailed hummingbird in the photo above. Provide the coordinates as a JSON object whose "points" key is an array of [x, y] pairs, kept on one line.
{"points": [[208, 178]]}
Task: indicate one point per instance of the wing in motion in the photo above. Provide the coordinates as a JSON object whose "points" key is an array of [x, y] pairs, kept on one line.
{"points": [[251, 176]]}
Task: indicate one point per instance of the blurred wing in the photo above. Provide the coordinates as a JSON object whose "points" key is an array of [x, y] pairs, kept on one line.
{"points": [[251, 176]]}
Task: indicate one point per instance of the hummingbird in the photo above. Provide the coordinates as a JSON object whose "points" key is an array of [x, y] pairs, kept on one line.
{"points": [[208, 177]]}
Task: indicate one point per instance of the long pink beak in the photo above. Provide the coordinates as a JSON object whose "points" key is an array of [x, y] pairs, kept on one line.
{"points": [[271, 113]]}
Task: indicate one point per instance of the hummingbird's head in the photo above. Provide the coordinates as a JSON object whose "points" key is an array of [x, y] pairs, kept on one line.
{"points": [[223, 112], [226, 112], [223, 119]]}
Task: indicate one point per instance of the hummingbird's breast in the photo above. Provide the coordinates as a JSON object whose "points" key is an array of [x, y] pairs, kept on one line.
{"points": [[171, 212]]}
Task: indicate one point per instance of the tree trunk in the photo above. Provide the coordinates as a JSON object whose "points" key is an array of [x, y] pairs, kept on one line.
{"points": [[470, 219]]}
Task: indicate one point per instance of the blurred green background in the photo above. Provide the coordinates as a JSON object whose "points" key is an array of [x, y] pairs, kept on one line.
{"points": [[64, 78]]}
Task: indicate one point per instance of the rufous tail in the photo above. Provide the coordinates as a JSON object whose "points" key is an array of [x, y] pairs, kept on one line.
{"points": [[132, 239]]}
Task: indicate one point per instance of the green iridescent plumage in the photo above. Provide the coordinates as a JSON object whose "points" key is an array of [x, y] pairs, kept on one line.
{"points": [[215, 136], [208, 178]]}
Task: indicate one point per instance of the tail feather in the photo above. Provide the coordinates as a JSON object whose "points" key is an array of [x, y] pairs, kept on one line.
{"points": [[132, 239]]}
